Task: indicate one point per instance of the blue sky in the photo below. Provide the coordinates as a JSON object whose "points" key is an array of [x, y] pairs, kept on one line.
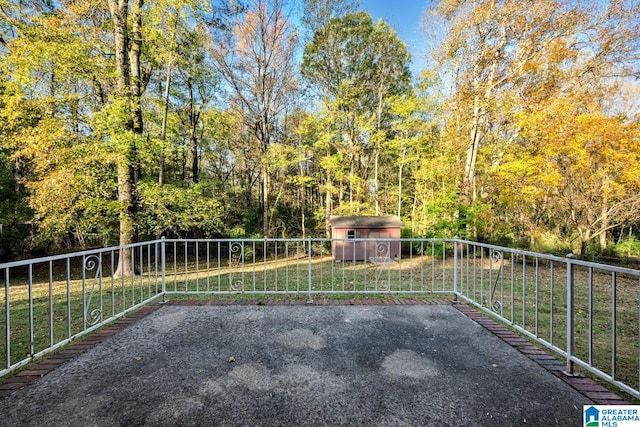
{"points": [[404, 16]]}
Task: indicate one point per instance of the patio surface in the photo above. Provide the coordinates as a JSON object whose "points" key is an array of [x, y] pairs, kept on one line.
{"points": [[292, 365]]}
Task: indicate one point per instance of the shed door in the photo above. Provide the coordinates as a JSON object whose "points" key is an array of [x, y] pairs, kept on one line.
{"points": [[380, 247]]}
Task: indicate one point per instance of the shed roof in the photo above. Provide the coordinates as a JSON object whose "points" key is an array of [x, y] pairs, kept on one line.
{"points": [[365, 221]]}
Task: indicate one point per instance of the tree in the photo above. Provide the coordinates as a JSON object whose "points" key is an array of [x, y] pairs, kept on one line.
{"points": [[501, 56], [54, 76], [316, 14], [72, 119], [488, 49], [177, 31], [356, 65], [568, 165], [14, 211], [413, 137], [194, 85], [257, 61], [66, 79], [127, 30]]}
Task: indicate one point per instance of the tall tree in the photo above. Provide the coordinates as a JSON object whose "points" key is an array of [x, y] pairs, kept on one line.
{"points": [[414, 133], [356, 65], [194, 88], [316, 14], [55, 74], [565, 171], [257, 61], [127, 30], [177, 31], [500, 55], [489, 46]]}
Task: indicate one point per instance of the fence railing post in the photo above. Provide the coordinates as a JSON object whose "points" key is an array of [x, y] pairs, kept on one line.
{"points": [[455, 268], [163, 256], [570, 313], [309, 271]]}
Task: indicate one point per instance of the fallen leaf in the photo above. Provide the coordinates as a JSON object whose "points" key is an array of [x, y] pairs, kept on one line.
{"points": [[138, 358], [232, 359]]}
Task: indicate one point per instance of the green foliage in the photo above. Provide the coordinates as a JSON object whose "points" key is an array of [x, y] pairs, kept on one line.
{"points": [[628, 247], [14, 213], [74, 199], [542, 170], [550, 243], [355, 208], [357, 66], [351, 54], [169, 210]]}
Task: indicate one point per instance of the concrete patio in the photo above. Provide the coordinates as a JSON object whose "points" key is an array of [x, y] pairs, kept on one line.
{"points": [[272, 365]]}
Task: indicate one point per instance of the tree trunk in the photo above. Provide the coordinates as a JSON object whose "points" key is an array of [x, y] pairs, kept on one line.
{"points": [[377, 149], [604, 223], [19, 166], [584, 241], [375, 184], [128, 89], [327, 205], [193, 125], [351, 177], [265, 201], [195, 168], [400, 187], [469, 179], [135, 82], [163, 132], [119, 12], [134, 62], [127, 223], [302, 197], [165, 109]]}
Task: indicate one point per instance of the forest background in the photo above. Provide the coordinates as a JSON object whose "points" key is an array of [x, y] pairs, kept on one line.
{"points": [[124, 120]]}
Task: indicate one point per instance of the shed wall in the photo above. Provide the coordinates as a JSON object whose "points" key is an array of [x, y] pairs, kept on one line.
{"points": [[345, 249]]}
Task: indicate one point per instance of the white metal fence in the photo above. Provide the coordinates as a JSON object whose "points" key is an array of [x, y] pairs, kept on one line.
{"points": [[307, 266], [47, 302], [587, 313]]}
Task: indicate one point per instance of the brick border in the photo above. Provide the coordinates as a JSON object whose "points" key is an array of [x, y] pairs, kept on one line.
{"points": [[586, 386], [320, 302]]}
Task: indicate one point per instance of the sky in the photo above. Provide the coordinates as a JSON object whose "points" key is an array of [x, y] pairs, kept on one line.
{"points": [[404, 16]]}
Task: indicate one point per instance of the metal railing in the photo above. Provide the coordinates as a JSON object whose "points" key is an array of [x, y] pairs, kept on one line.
{"points": [[48, 302], [308, 266], [585, 312]]}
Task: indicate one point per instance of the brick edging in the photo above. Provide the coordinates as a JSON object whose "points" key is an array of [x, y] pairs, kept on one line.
{"points": [[586, 386], [318, 302]]}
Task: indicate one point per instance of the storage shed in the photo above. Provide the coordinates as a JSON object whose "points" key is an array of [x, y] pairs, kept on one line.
{"points": [[346, 232]]}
